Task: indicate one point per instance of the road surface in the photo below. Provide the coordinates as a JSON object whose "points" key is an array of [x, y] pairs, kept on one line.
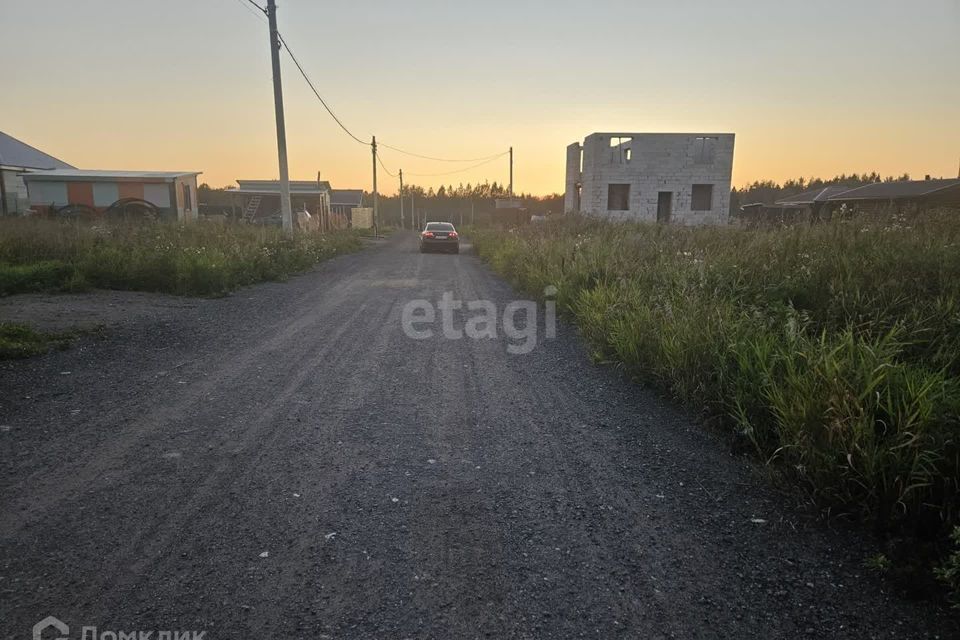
{"points": [[287, 463]]}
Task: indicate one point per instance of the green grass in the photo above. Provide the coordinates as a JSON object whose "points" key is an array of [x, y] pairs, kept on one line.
{"points": [[949, 571], [20, 341], [832, 351], [194, 259]]}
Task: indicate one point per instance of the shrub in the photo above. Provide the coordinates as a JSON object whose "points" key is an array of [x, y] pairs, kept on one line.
{"points": [[949, 572], [195, 259], [20, 341], [833, 350], [47, 275]]}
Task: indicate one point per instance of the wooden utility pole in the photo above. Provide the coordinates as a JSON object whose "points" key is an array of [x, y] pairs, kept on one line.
{"points": [[376, 199], [511, 171], [413, 212], [286, 211], [324, 222], [402, 223]]}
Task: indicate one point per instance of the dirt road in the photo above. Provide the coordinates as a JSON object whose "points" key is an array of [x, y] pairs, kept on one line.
{"points": [[287, 463]]}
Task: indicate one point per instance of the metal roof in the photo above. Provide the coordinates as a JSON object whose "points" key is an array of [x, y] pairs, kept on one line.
{"points": [[810, 196], [272, 187], [14, 153], [897, 189], [346, 197], [84, 175]]}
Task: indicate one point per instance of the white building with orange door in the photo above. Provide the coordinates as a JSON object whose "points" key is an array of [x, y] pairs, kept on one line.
{"points": [[170, 195]]}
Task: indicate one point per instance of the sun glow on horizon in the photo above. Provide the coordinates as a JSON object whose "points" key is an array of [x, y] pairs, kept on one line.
{"points": [[149, 90]]}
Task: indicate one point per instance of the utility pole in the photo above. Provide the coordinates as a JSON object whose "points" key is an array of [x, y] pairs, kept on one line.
{"points": [[413, 212], [376, 206], [511, 171], [324, 218], [286, 212], [402, 224]]}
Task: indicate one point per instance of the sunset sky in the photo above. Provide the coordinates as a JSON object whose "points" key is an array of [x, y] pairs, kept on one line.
{"points": [[809, 88]]}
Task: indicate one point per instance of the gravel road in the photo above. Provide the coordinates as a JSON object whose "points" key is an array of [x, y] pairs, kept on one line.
{"points": [[287, 463]]}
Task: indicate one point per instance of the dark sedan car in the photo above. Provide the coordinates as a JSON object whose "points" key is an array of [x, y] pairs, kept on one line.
{"points": [[439, 236]]}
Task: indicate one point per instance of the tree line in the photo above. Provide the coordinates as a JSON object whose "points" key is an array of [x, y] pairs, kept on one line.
{"points": [[464, 203], [446, 202], [449, 202]]}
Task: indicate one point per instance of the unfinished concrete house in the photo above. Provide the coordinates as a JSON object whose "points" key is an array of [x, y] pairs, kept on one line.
{"points": [[682, 178]]}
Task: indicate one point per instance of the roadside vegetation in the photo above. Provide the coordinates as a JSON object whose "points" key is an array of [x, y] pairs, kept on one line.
{"points": [[20, 341], [831, 351], [196, 259]]}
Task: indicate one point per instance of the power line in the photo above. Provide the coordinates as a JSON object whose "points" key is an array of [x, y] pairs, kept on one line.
{"points": [[447, 173], [317, 93], [417, 155], [246, 5], [243, 3], [380, 160], [481, 161]]}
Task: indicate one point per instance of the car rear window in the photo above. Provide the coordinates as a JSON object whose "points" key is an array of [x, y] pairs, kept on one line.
{"points": [[439, 226]]}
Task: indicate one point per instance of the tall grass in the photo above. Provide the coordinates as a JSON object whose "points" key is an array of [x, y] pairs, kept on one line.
{"points": [[20, 341], [194, 259], [833, 351]]}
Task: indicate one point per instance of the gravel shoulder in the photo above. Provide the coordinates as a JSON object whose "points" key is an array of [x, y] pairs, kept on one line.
{"points": [[84, 311], [285, 463]]}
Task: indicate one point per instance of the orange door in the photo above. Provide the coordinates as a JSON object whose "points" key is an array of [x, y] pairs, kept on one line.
{"points": [[80, 193], [130, 190]]}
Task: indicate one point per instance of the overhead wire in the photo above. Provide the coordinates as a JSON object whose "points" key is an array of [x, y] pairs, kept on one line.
{"points": [[461, 170], [303, 72], [417, 155], [245, 5], [480, 161], [380, 160], [317, 93], [262, 9]]}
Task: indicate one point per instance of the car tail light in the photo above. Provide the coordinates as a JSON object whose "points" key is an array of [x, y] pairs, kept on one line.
{"points": [[428, 234], [453, 234]]}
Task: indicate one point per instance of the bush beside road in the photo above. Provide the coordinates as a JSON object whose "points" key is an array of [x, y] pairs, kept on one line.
{"points": [[21, 341], [832, 351], [196, 259]]}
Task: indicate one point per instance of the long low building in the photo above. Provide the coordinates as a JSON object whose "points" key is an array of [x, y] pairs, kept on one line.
{"points": [[163, 194], [903, 197]]}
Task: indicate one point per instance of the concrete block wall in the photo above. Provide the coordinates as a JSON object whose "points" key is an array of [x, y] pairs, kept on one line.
{"points": [[571, 198], [652, 163], [18, 201]]}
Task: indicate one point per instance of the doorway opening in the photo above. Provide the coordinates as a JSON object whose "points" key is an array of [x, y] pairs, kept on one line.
{"points": [[664, 204]]}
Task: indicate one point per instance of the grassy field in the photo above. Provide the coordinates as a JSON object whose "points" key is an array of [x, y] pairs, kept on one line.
{"points": [[832, 351], [195, 259]]}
